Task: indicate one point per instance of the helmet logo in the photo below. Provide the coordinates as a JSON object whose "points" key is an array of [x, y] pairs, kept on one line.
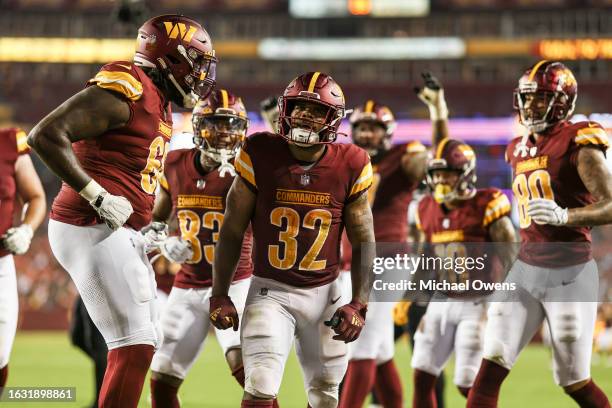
{"points": [[174, 30]]}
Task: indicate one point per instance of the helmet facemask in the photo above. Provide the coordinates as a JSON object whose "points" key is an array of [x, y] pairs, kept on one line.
{"points": [[306, 122], [463, 188], [379, 139], [541, 109], [219, 136]]}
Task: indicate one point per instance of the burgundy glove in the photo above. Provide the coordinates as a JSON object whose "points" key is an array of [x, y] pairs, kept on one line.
{"points": [[348, 321], [223, 313]]}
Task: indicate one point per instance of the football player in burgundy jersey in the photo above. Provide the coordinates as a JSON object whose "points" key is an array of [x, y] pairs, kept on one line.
{"points": [[108, 144], [563, 187], [453, 216], [397, 171], [18, 179], [299, 190], [194, 188]]}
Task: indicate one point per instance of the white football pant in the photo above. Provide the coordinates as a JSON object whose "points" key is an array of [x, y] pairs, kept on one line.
{"points": [[275, 314], [114, 278], [185, 323], [9, 307]]}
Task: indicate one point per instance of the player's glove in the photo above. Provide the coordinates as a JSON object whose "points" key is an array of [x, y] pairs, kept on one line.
{"points": [[17, 240], [544, 211], [176, 250], [432, 95], [348, 321], [223, 313], [114, 210], [154, 235]]}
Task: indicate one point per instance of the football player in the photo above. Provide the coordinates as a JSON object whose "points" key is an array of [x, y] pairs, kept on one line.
{"points": [[397, 172], [108, 144], [563, 187], [299, 190], [195, 184], [455, 213], [18, 179]]}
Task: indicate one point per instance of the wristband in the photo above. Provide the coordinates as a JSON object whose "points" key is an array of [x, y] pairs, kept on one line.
{"points": [[91, 191]]}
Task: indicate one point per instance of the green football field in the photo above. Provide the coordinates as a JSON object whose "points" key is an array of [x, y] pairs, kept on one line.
{"points": [[47, 359]]}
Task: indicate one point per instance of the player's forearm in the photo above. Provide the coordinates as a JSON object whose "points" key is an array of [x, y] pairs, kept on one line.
{"points": [[599, 213], [439, 131], [55, 149], [227, 255], [362, 276], [35, 212]]}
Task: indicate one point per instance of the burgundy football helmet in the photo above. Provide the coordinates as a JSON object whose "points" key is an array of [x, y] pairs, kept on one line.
{"points": [[182, 51], [454, 155], [373, 112], [552, 84], [219, 124], [319, 89]]}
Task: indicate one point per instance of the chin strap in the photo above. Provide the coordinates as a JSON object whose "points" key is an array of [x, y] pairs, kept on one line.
{"points": [[189, 99]]}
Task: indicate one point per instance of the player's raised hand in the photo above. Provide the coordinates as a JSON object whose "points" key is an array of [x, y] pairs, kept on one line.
{"points": [[432, 95], [176, 249], [223, 313], [348, 320], [544, 211]]}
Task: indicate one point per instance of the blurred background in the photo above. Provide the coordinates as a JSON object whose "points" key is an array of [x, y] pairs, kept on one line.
{"points": [[375, 49]]}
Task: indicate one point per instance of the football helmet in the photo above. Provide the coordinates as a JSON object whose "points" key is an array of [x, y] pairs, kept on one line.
{"points": [[372, 112], [546, 94], [320, 90], [219, 125], [453, 155], [182, 52]]}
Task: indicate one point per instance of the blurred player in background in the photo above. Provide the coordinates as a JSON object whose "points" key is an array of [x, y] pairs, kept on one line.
{"points": [[19, 184], [299, 190], [563, 187], [108, 144], [268, 108], [195, 185], [454, 213], [397, 171]]}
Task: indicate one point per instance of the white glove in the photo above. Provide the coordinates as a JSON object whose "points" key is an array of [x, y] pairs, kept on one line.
{"points": [[432, 95], [176, 250], [114, 210], [154, 235], [544, 211], [17, 240]]}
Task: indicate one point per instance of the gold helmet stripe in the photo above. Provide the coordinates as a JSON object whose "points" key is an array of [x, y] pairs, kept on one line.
{"points": [[369, 106], [224, 98], [313, 81], [535, 69], [440, 148]]}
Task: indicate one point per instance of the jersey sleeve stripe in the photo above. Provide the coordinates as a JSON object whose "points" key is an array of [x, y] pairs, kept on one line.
{"points": [[22, 142], [497, 208], [121, 82], [595, 136], [415, 147], [244, 167], [364, 180], [417, 220]]}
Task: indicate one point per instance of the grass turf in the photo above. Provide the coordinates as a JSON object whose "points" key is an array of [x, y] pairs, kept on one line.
{"points": [[47, 359]]}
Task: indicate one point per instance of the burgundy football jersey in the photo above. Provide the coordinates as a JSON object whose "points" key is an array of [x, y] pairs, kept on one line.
{"points": [[199, 203], [12, 144], [467, 223], [297, 222], [548, 169], [389, 195], [126, 161]]}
